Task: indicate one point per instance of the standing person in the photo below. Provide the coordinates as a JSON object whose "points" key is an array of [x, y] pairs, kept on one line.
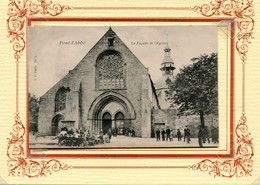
{"points": [[117, 129], [168, 131], [163, 134], [213, 134], [85, 138], [109, 134], [35, 130], [62, 137], [216, 132], [204, 134], [123, 130], [200, 136], [101, 136], [133, 132], [88, 135], [207, 134], [130, 132], [171, 135], [179, 134], [158, 137], [188, 135], [114, 132], [77, 138], [70, 137], [185, 133]]}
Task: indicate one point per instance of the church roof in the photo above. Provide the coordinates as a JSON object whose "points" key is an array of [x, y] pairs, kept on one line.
{"points": [[110, 32], [103, 41], [161, 83]]}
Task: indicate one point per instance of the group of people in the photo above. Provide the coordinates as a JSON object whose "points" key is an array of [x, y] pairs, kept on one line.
{"points": [[69, 137], [164, 135], [124, 131], [168, 134], [127, 131], [214, 134], [187, 134], [203, 135]]}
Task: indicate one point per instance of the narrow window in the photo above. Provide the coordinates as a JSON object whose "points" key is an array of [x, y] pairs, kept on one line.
{"points": [[111, 41], [60, 99]]}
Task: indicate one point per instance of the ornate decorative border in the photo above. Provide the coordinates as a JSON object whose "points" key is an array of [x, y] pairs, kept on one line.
{"points": [[18, 164], [18, 11], [242, 165], [243, 12]]}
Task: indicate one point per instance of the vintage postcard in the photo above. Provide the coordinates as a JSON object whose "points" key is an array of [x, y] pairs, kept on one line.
{"points": [[133, 92], [137, 86]]}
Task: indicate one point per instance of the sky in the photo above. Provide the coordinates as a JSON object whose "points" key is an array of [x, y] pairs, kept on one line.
{"points": [[49, 60]]}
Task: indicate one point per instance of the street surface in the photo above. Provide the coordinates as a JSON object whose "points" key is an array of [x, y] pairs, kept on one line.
{"points": [[120, 141]]}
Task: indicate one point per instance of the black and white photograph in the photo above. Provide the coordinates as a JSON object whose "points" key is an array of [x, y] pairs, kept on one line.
{"points": [[123, 86]]}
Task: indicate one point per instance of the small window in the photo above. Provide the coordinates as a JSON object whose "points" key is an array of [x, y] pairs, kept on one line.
{"points": [[111, 41]]}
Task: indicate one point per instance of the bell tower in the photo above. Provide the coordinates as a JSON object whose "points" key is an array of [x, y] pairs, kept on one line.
{"points": [[167, 65]]}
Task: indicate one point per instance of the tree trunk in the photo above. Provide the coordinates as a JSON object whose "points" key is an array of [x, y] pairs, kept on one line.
{"points": [[202, 118]]}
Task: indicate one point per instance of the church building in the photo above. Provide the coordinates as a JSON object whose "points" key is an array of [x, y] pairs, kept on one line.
{"points": [[109, 88]]}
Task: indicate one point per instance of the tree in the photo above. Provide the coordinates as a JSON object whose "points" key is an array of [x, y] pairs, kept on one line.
{"points": [[33, 112], [195, 88]]}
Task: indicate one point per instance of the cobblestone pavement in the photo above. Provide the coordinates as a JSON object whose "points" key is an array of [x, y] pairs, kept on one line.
{"points": [[121, 141]]}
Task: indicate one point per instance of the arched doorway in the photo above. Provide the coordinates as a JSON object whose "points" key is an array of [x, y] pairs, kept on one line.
{"points": [[98, 106], [55, 125], [106, 122], [120, 122]]}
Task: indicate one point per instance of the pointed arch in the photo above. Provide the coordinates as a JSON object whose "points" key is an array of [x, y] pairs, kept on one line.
{"points": [[102, 100]]}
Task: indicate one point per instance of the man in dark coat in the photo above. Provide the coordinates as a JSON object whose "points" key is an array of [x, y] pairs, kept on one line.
{"points": [[109, 133], [185, 133], [168, 131], [179, 134], [213, 134], [35, 129], [188, 134], [163, 134], [158, 133], [216, 134], [207, 134], [133, 132], [200, 136]]}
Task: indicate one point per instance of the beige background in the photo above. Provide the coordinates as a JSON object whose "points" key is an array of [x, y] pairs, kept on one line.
{"points": [[127, 176]]}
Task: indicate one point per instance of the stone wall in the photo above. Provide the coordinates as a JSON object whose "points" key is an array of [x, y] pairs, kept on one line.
{"points": [[193, 122], [163, 118]]}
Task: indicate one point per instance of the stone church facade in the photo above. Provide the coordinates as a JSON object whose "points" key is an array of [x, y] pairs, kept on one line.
{"points": [[109, 88]]}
